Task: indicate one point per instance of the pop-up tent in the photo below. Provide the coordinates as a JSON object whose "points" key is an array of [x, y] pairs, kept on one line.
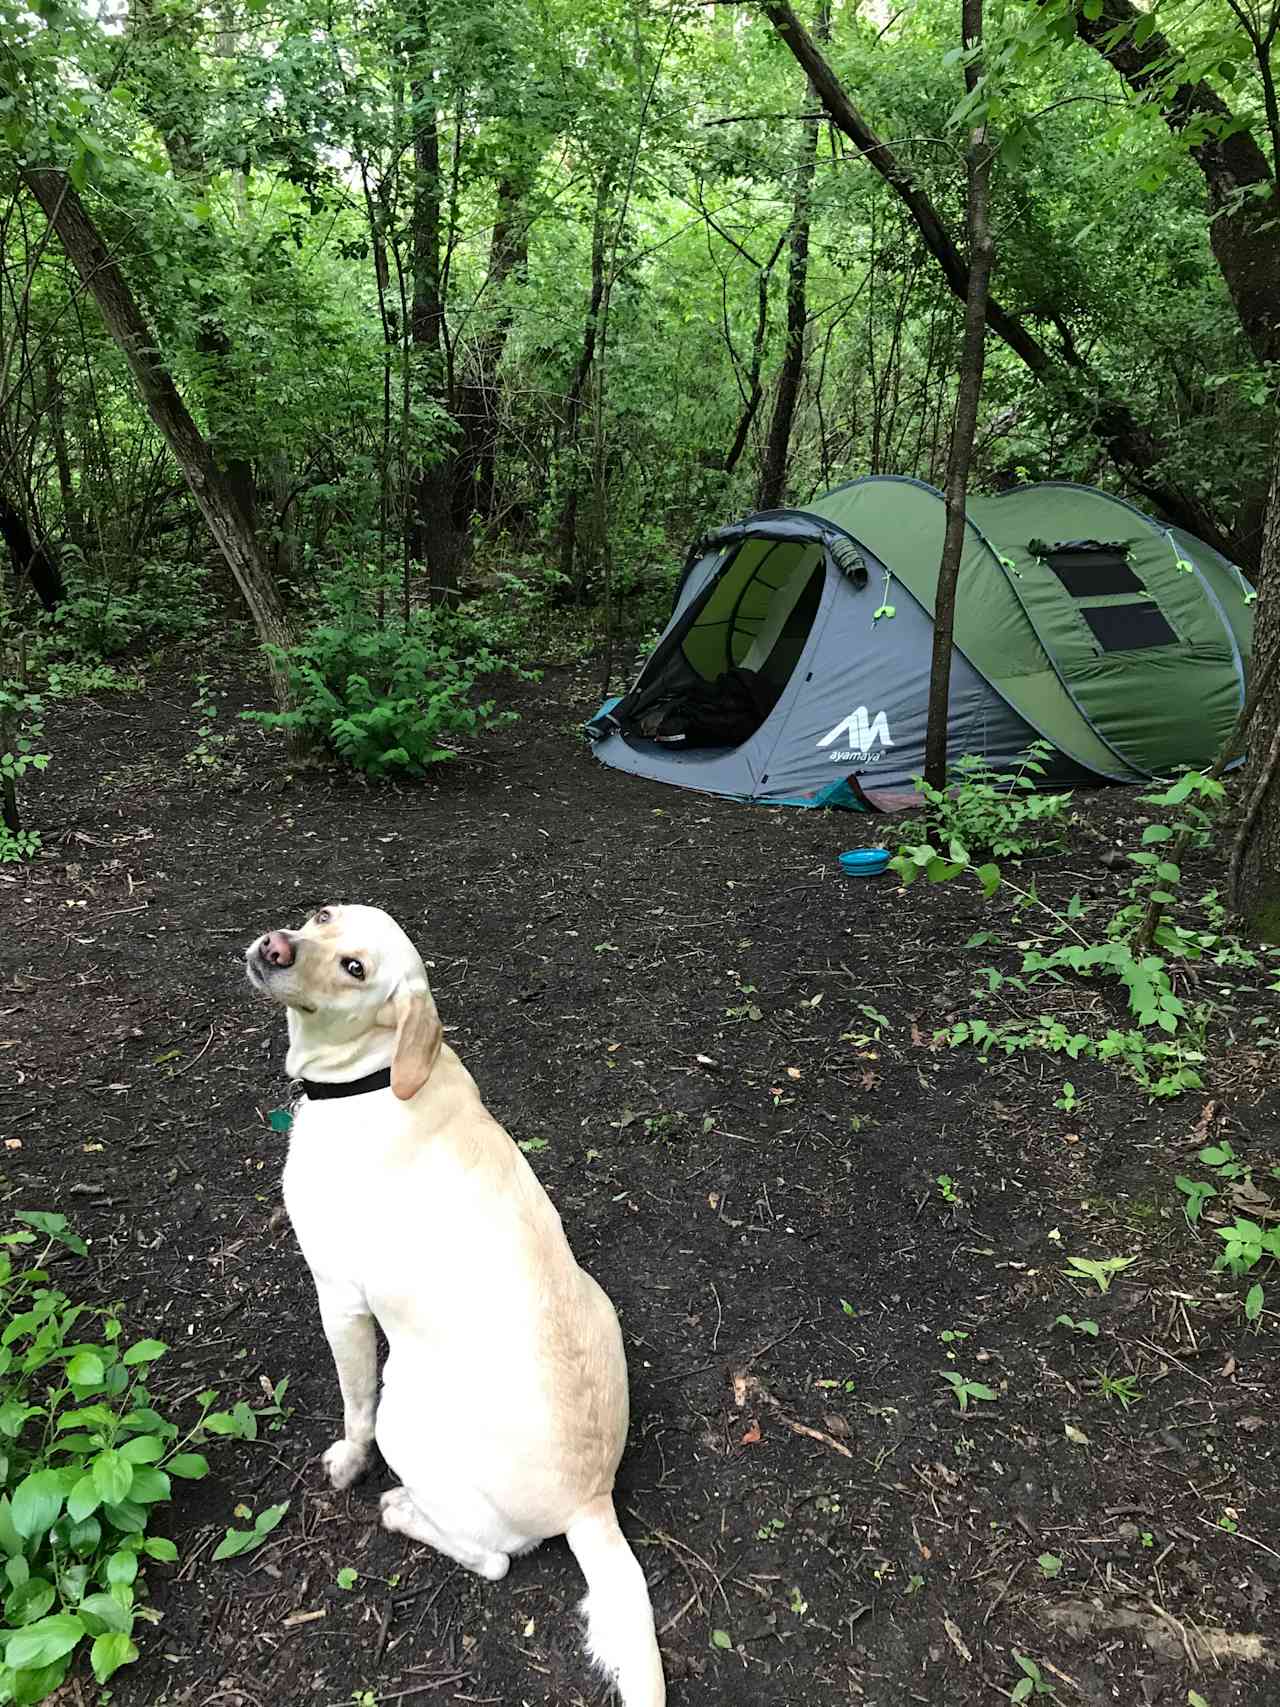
{"points": [[795, 666]]}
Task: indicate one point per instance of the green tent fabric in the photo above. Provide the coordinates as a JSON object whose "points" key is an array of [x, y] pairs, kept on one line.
{"points": [[780, 677], [1123, 712]]}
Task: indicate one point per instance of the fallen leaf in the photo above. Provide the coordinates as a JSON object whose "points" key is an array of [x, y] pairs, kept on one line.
{"points": [[13, 1143], [794, 1073], [957, 1640], [1076, 1436], [1251, 1425], [836, 1424], [752, 1436]]}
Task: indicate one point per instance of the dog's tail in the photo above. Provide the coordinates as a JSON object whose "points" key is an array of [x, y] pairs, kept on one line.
{"points": [[620, 1633]]}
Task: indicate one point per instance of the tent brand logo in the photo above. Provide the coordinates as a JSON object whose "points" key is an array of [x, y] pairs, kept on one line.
{"points": [[861, 731]]}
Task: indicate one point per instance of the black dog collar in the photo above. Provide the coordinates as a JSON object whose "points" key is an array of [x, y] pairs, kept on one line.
{"points": [[321, 1090]]}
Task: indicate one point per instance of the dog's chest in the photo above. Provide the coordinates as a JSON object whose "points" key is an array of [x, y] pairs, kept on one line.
{"points": [[343, 1190]]}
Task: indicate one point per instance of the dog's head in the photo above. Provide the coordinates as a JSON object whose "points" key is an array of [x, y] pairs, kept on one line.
{"points": [[357, 997]]}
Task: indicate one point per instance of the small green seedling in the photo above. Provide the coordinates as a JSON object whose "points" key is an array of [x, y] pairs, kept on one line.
{"points": [[949, 1336], [348, 1577], [947, 1186], [237, 1541], [1197, 1193], [1086, 1325], [1031, 1683], [1050, 1566], [1102, 1271], [1122, 1388], [1068, 1102], [966, 1390], [722, 1639]]}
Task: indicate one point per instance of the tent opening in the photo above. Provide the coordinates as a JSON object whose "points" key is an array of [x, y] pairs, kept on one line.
{"points": [[725, 668]]}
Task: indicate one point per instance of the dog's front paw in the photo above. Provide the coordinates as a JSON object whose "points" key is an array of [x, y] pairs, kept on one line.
{"points": [[345, 1463]]}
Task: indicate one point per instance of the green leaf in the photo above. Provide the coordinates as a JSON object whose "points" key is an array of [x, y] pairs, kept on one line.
{"points": [[37, 1500], [1022, 1689], [144, 1351], [110, 1652], [1254, 1300], [104, 1612], [143, 1449], [42, 1643], [122, 1566], [190, 1466], [86, 1369], [54, 1227], [84, 1499], [347, 1577], [157, 1547], [989, 877], [29, 1601], [721, 1639], [112, 1476]]}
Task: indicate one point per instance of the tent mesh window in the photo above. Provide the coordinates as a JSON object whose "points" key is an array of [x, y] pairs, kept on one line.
{"points": [[1091, 570], [1129, 628]]}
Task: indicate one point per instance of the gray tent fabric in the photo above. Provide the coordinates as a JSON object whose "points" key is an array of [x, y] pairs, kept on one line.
{"points": [[841, 639]]}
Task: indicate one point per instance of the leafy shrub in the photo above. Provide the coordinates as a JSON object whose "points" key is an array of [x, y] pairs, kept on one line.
{"points": [[101, 619], [85, 1459], [20, 732], [384, 700], [990, 813]]}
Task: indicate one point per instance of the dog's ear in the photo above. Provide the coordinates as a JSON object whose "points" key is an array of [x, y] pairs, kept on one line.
{"points": [[419, 1035]]}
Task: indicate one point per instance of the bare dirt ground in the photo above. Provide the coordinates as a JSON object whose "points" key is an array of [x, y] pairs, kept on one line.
{"points": [[719, 1054]]}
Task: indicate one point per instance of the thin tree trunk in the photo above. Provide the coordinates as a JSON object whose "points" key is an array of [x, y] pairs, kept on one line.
{"points": [[965, 423], [478, 408], [434, 537], [1254, 872], [209, 486], [773, 471], [574, 583], [31, 561], [61, 456], [1129, 444]]}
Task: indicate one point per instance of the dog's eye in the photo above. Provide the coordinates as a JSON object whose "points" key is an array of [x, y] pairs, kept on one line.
{"points": [[322, 917], [354, 968]]}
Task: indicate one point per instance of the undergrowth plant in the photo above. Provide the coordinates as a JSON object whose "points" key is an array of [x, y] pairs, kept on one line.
{"points": [[87, 1458], [1138, 949], [20, 737], [386, 700], [984, 811]]}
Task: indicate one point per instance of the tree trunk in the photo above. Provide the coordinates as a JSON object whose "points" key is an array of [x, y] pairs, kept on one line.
{"points": [[61, 455], [1129, 444], [981, 257], [31, 562], [478, 410], [773, 471], [1244, 230], [1254, 876], [435, 537], [574, 583], [209, 487]]}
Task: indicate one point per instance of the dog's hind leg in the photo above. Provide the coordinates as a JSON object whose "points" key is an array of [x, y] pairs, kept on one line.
{"points": [[402, 1515]]}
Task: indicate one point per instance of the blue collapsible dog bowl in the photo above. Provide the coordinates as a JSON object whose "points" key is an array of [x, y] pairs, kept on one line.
{"points": [[864, 862]]}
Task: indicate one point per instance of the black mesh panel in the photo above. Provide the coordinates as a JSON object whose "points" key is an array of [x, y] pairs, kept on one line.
{"points": [[1089, 575], [1129, 628]]}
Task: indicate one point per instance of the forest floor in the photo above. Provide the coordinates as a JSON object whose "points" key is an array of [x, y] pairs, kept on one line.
{"points": [[719, 1053]]}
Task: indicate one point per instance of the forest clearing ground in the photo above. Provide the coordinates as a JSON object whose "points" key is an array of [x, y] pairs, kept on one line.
{"points": [[718, 1052]]}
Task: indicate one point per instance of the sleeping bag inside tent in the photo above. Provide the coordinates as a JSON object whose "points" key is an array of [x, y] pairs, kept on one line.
{"points": [[795, 666]]}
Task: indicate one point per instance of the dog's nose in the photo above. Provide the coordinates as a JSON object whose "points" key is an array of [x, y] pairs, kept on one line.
{"points": [[276, 949]]}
